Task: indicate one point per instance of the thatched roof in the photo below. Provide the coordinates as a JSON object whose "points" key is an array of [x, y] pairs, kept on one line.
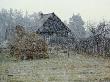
{"points": [[51, 23]]}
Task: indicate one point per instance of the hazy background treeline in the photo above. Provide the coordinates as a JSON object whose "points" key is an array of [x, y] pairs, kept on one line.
{"points": [[10, 18], [91, 38]]}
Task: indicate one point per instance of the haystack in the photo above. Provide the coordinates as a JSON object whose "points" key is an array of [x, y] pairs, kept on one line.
{"points": [[28, 45]]}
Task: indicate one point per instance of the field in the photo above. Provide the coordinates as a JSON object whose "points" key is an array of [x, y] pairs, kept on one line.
{"points": [[76, 68]]}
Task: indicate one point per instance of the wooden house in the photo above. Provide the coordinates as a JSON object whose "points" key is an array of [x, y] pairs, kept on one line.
{"points": [[50, 24]]}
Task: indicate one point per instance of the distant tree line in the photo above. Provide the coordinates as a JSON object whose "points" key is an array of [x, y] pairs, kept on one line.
{"points": [[97, 42], [9, 19]]}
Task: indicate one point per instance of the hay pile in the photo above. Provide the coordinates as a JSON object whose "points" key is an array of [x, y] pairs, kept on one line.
{"points": [[28, 45]]}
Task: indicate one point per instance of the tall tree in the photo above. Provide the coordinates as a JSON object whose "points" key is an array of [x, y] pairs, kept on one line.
{"points": [[76, 24]]}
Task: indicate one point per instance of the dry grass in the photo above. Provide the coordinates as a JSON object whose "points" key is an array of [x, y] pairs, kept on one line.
{"points": [[77, 68]]}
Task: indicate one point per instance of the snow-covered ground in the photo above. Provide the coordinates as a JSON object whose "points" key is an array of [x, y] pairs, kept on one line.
{"points": [[77, 68]]}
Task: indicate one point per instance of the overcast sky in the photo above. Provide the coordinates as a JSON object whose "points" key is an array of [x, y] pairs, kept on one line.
{"points": [[89, 9]]}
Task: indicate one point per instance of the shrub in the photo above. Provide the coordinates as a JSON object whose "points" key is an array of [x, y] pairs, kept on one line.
{"points": [[28, 45]]}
